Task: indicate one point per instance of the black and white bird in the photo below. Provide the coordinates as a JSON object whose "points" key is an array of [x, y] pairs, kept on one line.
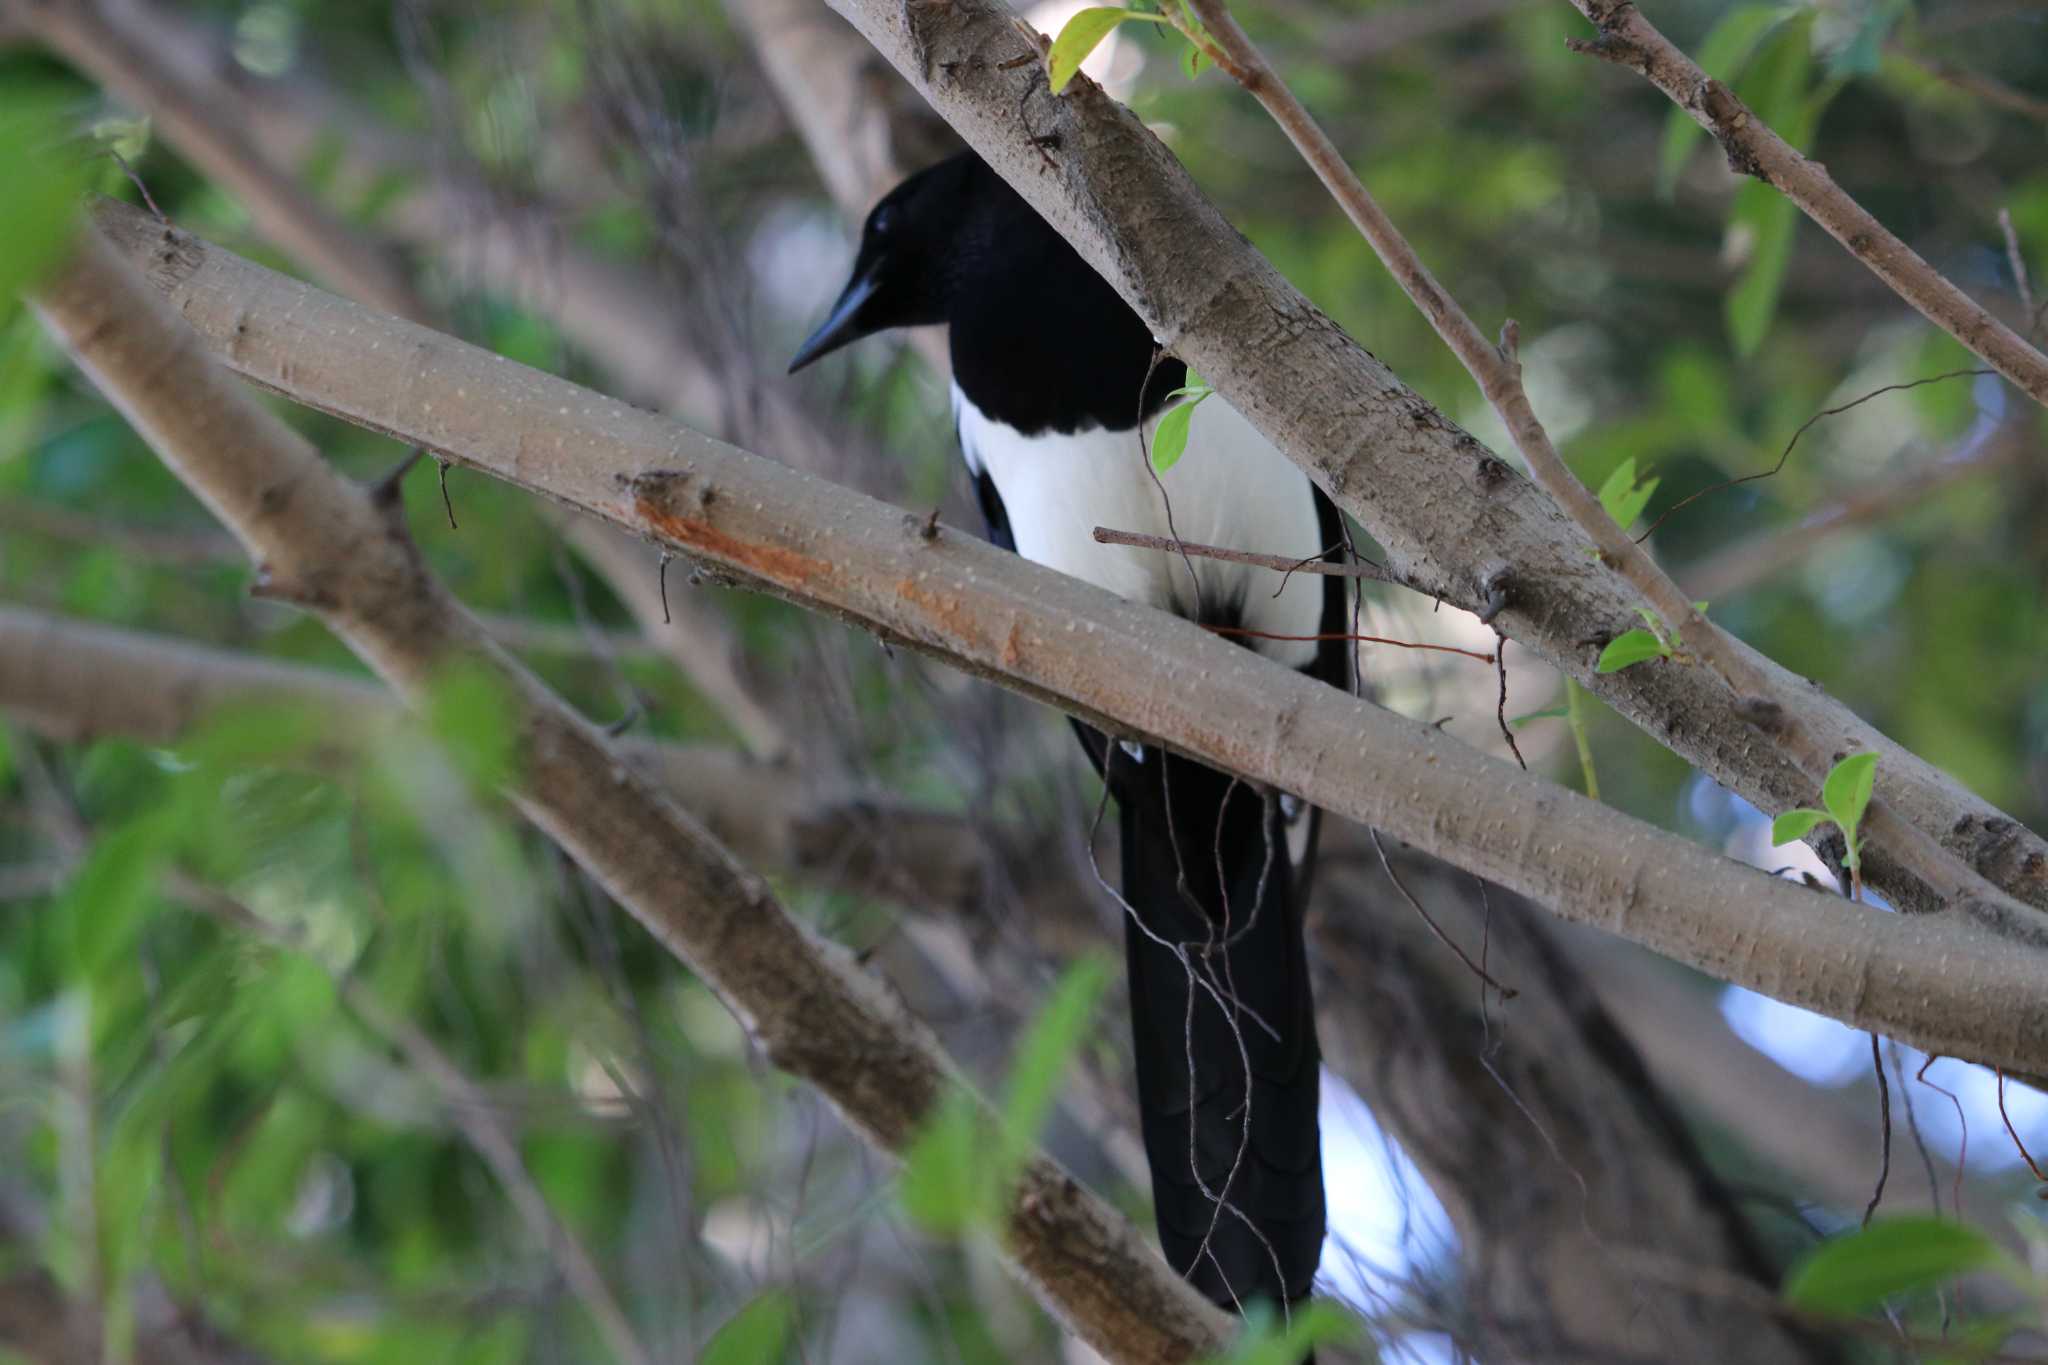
{"points": [[1053, 378]]}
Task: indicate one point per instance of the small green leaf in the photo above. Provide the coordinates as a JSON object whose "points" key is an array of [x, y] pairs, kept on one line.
{"points": [[127, 138], [1794, 824], [1753, 303], [1846, 793], [1623, 497], [1170, 437], [1082, 35], [1891, 1256], [756, 1335], [1547, 713], [1630, 647], [44, 178], [1194, 60]]}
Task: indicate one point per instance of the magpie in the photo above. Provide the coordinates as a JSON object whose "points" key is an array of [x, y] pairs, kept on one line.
{"points": [[1057, 385]]}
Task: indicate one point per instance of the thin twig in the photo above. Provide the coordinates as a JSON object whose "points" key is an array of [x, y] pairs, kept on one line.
{"points": [[1987, 88], [2017, 259], [1962, 1127], [1752, 560], [1507, 993], [1884, 1116], [1248, 633], [1804, 427], [1363, 568], [1500, 705], [2013, 1132]]}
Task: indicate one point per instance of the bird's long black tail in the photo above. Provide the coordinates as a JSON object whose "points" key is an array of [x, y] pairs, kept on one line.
{"points": [[1224, 999]]}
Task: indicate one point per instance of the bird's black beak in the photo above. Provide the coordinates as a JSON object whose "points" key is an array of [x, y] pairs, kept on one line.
{"points": [[842, 325]]}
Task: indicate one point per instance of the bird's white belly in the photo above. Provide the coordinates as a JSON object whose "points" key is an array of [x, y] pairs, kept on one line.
{"points": [[1230, 488]]}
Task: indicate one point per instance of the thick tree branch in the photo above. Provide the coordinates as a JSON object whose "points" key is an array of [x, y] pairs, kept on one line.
{"points": [[1941, 984], [321, 542], [1455, 522], [1627, 39]]}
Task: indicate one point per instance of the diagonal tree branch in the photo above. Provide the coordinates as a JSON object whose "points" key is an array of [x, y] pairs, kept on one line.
{"points": [[1455, 522], [1942, 984], [1627, 39], [321, 542]]}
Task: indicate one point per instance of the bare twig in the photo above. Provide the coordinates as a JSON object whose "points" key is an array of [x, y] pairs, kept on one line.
{"points": [[2017, 259], [1755, 559], [1628, 39], [323, 544], [1498, 373], [1133, 670], [1363, 568], [1786, 453], [1987, 88]]}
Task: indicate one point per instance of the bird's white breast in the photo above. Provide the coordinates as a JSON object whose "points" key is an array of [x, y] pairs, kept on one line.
{"points": [[1230, 488]]}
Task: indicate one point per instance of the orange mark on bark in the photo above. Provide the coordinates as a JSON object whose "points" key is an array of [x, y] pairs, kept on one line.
{"points": [[772, 562], [945, 611], [1013, 646]]}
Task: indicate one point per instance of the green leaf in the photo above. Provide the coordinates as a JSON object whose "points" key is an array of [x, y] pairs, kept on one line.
{"points": [[1547, 713], [1863, 53], [1264, 1341], [1630, 647], [1777, 90], [1623, 497], [44, 176], [756, 1335], [1082, 35], [471, 711], [1050, 1044], [1170, 437], [1727, 47], [1794, 824], [114, 891], [1891, 1256], [1846, 792], [957, 1170], [943, 1186], [1753, 304]]}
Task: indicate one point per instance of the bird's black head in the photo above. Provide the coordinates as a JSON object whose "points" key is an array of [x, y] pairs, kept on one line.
{"points": [[913, 249]]}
